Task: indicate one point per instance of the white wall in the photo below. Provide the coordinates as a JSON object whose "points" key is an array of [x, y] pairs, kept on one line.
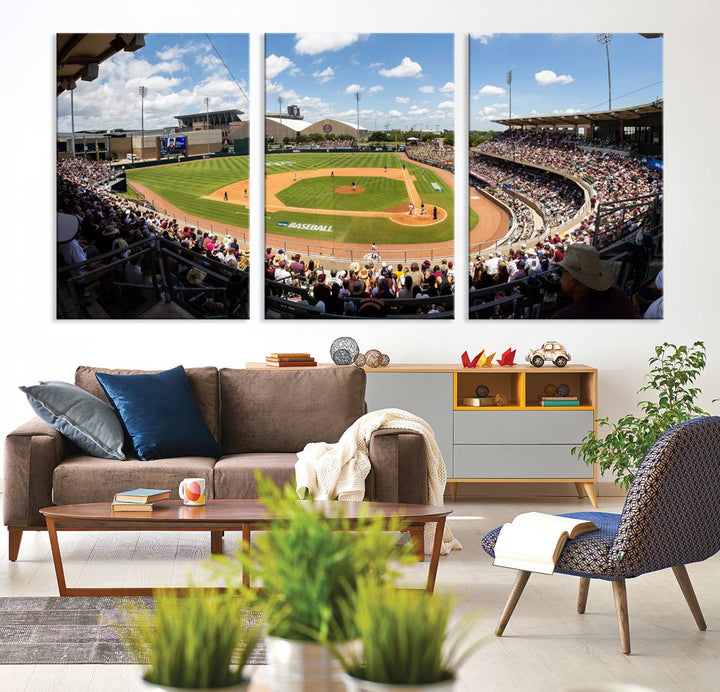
{"points": [[36, 346]]}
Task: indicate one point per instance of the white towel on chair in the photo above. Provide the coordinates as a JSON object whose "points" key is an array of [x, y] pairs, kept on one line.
{"points": [[329, 471]]}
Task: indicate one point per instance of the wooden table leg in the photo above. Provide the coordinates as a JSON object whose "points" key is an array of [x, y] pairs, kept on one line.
{"points": [[417, 536], [580, 490], [520, 581], [435, 556], [246, 547], [216, 542], [583, 594], [57, 558]]}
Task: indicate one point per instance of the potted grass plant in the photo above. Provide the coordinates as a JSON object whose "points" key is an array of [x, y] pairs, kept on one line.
{"points": [[198, 641], [310, 565], [405, 641]]}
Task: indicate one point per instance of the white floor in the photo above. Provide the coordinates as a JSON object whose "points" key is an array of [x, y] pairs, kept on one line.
{"points": [[547, 646]]}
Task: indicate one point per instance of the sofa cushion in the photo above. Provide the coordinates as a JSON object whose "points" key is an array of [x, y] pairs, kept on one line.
{"points": [[80, 478], [234, 476], [281, 411], [203, 382], [160, 413], [83, 418]]}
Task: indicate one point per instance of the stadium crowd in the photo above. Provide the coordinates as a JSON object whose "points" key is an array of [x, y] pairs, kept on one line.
{"points": [[371, 290], [433, 155], [109, 224]]}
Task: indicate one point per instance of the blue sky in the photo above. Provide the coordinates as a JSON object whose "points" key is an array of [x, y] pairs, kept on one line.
{"points": [[559, 73], [404, 80], [179, 71]]}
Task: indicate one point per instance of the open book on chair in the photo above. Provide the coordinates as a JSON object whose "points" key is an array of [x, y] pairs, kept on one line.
{"points": [[533, 541]]}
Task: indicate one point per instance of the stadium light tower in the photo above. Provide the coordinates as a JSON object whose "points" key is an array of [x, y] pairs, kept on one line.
{"points": [[605, 39], [207, 122], [143, 93], [357, 110], [508, 79]]}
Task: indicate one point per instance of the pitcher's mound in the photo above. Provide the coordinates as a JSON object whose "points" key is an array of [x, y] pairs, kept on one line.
{"points": [[349, 189]]}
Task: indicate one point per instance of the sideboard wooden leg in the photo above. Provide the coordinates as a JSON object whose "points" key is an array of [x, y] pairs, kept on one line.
{"points": [[14, 538]]}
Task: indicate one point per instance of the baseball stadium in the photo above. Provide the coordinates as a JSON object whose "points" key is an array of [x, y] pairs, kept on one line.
{"points": [[577, 194], [141, 233]]}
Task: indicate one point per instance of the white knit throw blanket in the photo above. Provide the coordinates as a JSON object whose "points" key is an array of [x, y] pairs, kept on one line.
{"points": [[329, 471]]}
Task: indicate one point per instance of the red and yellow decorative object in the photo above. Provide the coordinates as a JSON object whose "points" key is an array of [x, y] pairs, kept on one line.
{"points": [[508, 357], [467, 363], [488, 360]]}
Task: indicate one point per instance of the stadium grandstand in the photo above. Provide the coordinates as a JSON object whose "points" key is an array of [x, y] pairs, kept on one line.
{"points": [[592, 178]]}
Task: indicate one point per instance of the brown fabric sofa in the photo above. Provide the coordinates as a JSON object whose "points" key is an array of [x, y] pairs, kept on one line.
{"points": [[260, 418]]}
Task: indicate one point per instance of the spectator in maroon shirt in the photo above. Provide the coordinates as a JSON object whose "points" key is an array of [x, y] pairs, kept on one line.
{"points": [[589, 281]]}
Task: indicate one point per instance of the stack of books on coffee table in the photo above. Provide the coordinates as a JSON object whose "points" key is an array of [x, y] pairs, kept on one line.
{"points": [[138, 500], [290, 360]]}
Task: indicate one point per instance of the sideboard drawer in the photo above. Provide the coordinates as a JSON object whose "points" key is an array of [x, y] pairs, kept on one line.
{"points": [[519, 461], [522, 427]]}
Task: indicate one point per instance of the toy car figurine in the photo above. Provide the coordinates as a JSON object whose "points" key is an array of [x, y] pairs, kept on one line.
{"points": [[550, 350]]}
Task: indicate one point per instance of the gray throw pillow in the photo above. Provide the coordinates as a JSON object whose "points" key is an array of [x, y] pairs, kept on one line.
{"points": [[83, 418]]}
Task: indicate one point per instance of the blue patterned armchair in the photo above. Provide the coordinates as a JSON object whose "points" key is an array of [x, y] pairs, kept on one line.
{"points": [[671, 518]]}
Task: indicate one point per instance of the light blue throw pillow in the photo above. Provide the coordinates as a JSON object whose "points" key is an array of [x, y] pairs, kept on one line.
{"points": [[160, 413], [83, 418]]}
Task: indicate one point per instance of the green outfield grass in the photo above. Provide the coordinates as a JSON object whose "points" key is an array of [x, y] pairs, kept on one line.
{"points": [[378, 194], [184, 185]]}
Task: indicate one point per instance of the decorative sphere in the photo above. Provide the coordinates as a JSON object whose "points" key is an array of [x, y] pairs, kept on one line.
{"points": [[550, 390], [373, 358], [563, 389], [481, 391], [359, 360], [385, 360], [343, 350]]}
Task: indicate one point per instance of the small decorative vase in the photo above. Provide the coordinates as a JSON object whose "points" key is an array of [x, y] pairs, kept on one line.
{"points": [[295, 666], [357, 685], [239, 687]]}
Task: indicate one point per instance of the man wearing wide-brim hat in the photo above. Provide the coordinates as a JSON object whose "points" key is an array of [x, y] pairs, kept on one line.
{"points": [[589, 281]]}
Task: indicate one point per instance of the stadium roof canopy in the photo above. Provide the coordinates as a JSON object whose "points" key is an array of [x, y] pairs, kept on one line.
{"points": [[290, 123], [584, 119], [78, 55], [215, 117]]}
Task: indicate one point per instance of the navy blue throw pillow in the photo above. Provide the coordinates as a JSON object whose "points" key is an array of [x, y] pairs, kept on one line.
{"points": [[160, 413]]}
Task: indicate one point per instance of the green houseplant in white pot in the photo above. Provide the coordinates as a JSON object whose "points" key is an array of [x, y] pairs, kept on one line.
{"points": [[671, 381], [310, 565], [197, 641], [405, 641]]}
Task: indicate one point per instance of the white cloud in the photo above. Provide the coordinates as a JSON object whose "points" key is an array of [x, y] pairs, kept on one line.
{"points": [[353, 88], [415, 110], [295, 72], [312, 44], [446, 105], [273, 87], [373, 65], [375, 89], [275, 64], [547, 77], [394, 114], [406, 68], [492, 90], [173, 52], [483, 38], [447, 88], [402, 99], [427, 89], [324, 75], [567, 111]]}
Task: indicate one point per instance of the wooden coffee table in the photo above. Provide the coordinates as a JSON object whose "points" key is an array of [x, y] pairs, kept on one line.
{"points": [[218, 516]]}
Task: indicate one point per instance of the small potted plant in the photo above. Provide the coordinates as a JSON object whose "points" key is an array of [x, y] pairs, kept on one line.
{"points": [[673, 372], [198, 641], [405, 643], [310, 565]]}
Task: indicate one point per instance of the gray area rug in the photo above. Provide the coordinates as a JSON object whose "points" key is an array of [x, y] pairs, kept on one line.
{"points": [[69, 630]]}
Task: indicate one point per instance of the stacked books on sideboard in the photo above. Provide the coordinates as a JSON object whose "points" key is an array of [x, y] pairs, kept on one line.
{"points": [[559, 401], [290, 360], [138, 500]]}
